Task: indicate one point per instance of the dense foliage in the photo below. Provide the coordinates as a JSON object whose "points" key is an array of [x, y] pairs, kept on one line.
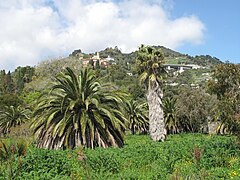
{"points": [[136, 114], [180, 157], [9, 100], [171, 121], [194, 109], [225, 84], [79, 111], [11, 117], [6, 82]]}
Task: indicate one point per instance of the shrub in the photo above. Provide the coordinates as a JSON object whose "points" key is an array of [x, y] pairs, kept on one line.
{"points": [[45, 164], [182, 156], [11, 153]]}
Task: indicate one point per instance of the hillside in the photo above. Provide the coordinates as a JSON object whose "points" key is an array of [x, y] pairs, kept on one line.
{"points": [[124, 64], [171, 56]]}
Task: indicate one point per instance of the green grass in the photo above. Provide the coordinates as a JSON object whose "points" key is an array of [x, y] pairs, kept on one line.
{"points": [[184, 156]]}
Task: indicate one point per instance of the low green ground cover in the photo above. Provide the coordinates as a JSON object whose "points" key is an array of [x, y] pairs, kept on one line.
{"points": [[184, 156]]}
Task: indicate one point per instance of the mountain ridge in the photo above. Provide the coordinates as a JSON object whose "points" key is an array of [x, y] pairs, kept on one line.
{"points": [[171, 56]]}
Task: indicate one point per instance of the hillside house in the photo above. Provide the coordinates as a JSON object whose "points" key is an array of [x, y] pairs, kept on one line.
{"points": [[102, 61]]}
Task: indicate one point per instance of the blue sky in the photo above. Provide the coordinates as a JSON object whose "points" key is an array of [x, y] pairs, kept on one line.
{"points": [[35, 30], [222, 21]]}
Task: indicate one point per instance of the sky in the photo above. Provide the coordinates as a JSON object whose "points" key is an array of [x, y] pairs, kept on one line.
{"points": [[35, 30]]}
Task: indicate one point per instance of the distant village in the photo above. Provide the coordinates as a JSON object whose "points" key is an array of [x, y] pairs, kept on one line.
{"points": [[104, 62], [97, 60]]}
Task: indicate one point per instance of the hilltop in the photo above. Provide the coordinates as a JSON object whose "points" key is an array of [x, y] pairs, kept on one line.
{"points": [[43, 74], [171, 56]]}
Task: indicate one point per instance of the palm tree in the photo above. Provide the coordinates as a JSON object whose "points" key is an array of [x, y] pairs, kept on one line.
{"points": [[136, 114], [11, 117], [151, 70], [169, 109], [79, 111]]}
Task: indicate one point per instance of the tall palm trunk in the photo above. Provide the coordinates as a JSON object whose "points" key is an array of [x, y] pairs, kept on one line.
{"points": [[157, 128]]}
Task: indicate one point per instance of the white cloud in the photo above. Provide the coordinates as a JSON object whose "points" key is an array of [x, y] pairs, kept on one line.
{"points": [[33, 30]]}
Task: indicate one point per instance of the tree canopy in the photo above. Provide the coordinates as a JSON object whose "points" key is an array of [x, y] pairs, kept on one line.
{"points": [[151, 71], [79, 111]]}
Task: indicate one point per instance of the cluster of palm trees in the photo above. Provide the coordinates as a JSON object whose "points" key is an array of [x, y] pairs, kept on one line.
{"points": [[80, 110]]}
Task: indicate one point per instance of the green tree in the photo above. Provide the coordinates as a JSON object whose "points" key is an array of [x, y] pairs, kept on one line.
{"points": [[136, 90], [29, 98], [2, 81], [79, 111], [9, 100], [225, 81], [194, 108], [136, 113], [23, 75], [151, 70], [116, 73], [98, 65], [9, 83], [225, 84], [6, 82], [11, 117], [169, 109]]}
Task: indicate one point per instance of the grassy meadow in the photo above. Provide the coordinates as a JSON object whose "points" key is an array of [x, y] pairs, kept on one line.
{"points": [[182, 156]]}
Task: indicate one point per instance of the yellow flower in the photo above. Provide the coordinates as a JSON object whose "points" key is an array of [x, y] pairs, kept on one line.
{"points": [[232, 174]]}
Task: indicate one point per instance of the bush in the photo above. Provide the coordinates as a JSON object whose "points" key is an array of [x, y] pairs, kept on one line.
{"points": [[11, 153], [182, 156], [45, 164], [9, 100], [142, 158]]}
